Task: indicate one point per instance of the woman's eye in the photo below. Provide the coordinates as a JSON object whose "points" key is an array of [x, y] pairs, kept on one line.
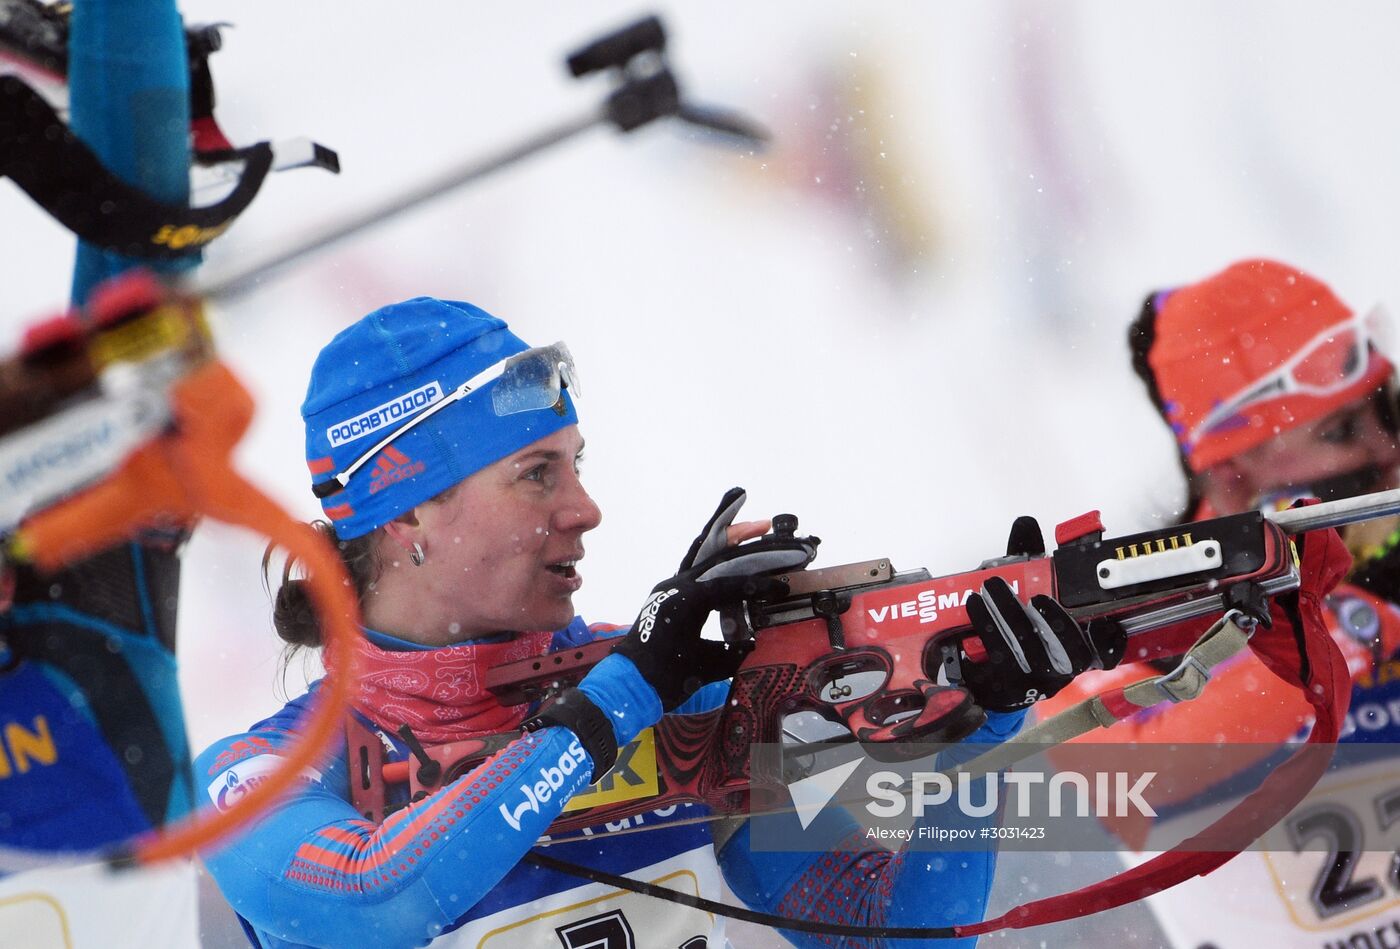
{"points": [[578, 463], [534, 474], [1342, 433]]}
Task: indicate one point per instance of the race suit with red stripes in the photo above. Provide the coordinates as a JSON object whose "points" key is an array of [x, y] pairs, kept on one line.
{"points": [[447, 870]]}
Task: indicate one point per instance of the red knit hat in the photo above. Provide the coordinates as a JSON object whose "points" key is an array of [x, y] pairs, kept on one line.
{"points": [[1247, 353]]}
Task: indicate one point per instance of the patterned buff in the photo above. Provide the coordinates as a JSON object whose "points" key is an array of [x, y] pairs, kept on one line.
{"points": [[439, 693]]}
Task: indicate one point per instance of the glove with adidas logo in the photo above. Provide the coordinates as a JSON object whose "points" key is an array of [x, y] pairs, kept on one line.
{"points": [[664, 643]]}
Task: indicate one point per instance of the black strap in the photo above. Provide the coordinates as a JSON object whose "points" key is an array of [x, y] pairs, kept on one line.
{"points": [[131, 587], [43, 156], [577, 712], [739, 912]]}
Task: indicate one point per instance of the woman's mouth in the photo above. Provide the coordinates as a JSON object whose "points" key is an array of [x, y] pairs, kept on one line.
{"points": [[567, 572], [565, 568]]}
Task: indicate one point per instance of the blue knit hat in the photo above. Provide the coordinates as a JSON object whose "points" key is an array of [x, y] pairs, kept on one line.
{"points": [[384, 371]]}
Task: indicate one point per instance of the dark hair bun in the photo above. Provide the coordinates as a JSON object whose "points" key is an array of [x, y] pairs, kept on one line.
{"points": [[293, 612], [294, 616]]}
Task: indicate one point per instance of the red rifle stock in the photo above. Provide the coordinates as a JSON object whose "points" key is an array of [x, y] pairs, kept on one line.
{"points": [[877, 651]]}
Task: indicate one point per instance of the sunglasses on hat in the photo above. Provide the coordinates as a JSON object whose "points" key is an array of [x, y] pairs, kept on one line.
{"points": [[1334, 359]]}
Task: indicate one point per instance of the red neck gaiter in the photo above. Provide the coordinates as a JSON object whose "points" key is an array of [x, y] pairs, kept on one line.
{"points": [[439, 693]]}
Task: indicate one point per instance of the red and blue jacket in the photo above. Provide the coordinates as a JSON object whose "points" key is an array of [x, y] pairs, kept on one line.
{"points": [[447, 871]]}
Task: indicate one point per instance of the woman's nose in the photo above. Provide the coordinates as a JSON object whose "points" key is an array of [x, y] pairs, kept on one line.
{"points": [[579, 512]]}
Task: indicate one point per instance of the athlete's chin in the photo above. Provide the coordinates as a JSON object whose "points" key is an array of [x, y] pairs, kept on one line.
{"points": [[551, 613]]}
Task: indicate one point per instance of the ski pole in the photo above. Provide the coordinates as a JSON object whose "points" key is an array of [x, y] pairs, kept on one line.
{"points": [[248, 277], [646, 90]]}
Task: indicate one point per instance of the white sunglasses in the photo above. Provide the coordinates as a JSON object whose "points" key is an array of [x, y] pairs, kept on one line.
{"points": [[1335, 358]]}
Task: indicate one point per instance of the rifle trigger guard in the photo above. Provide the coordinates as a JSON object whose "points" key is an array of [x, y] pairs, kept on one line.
{"points": [[829, 606], [952, 665]]}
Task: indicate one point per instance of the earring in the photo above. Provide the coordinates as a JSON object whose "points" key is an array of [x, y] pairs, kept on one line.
{"points": [[417, 555]]}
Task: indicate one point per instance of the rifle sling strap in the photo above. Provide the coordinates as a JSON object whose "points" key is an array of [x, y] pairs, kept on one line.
{"points": [[1224, 640], [738, 912]]}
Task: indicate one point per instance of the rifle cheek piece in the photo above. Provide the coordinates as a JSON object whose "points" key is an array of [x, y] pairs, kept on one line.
{"points": [[575, 711]]}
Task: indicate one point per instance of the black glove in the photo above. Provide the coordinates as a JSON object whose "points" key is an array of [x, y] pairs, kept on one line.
{"points": [[1032, 651], [664, 643]]}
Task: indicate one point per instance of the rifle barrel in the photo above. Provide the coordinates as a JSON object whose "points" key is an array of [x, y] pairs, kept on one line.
{"points": [[1364, 507]]}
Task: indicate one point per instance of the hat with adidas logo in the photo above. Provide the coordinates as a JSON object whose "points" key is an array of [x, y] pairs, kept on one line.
{"points": [[377, 378]]}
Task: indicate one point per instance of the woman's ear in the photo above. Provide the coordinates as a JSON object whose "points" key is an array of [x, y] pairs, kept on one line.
{"points": [[405, 531]]}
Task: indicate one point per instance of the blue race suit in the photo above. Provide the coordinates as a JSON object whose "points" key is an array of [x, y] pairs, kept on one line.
{"points": [[446, 870], [95, 742]]}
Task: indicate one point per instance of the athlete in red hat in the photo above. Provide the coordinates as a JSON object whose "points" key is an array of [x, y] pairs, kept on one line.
{"points": [[1276, 390]]}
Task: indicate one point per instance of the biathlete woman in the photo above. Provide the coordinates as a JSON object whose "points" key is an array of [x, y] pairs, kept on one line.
{"points": [[446, 456]]}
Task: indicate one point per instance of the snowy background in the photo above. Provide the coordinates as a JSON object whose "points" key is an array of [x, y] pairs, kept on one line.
{"points": [[903, 322]]}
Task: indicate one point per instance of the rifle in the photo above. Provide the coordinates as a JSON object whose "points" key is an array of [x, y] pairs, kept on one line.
{"points": [[878, 652]]}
